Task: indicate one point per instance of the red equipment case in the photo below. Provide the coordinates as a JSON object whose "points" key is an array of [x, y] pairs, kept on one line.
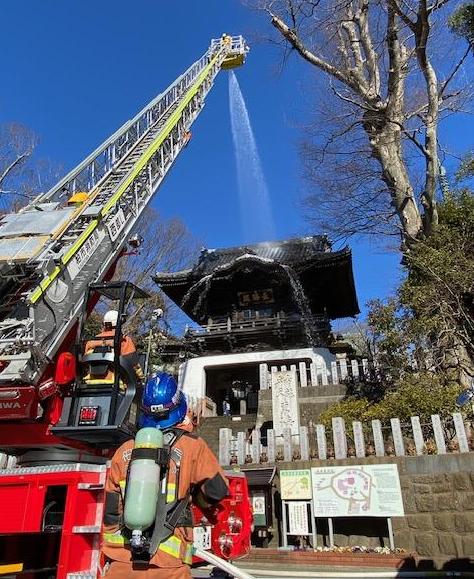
{"points": [[227, 530]]}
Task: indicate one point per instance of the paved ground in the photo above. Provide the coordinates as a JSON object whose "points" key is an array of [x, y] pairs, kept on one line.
{"points": [[276, 572]]}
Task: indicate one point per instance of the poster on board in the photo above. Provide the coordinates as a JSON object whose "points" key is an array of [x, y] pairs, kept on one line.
{"points": [[298, 518], [357, 491], [295, 484], [259, 509]]}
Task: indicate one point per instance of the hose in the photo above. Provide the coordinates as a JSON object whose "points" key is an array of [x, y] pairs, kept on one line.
{"points": [[221, 563]]}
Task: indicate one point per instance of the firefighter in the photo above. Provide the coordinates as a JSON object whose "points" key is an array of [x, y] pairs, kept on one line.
{"points": [[192, 466], [106, 338]]}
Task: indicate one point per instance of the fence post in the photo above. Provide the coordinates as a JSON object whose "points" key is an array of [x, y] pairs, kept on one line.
{"points": [[241, 447], [321, 440], [271, 445], [314, 374], [304, 443], [438, 433], [365, 368], [293, 369], [334, 376], [263, 377], [417, 434], [225, 437], [397, 437], [324, 373], [355, 369], [287, 447], [303, 376], [339, 435], [358, 439], [343, 366], [256, 445], [460, 432], [378, 438]]}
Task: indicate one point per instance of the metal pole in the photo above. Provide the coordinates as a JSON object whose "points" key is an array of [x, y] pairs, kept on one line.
{"points": [[147, 359], [313, 525], [331, 532], [154, 318], [391, 540], [285, 538]]}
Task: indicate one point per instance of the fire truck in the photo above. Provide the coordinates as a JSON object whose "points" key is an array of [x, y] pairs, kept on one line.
{"points": [[58, 256]]}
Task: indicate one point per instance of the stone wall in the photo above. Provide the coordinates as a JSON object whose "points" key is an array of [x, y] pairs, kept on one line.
{"points": [[438, 496]]}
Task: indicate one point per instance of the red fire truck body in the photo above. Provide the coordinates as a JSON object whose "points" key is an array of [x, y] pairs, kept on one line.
{"points": [[52, 518]]}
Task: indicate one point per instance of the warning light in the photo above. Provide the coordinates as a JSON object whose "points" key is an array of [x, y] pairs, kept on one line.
{"points": [[89, 415]]}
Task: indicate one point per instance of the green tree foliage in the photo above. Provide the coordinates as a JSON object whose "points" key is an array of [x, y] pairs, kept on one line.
{"points": [[419, 394], [429, 324], [438, 292], [93, 325], [462, 22], [423, 338], [387, 323]]}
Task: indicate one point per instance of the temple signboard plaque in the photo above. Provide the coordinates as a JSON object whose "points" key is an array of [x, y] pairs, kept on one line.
{"points": [[254, 297], [285, 402]]}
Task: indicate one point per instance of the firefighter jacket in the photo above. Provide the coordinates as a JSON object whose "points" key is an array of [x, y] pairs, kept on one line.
{"points": [[127, 349], [199, 475]]}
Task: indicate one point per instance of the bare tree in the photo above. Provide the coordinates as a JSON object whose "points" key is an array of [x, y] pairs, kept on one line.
{"points": [[375, 157], [167, 246], [22, 176]]}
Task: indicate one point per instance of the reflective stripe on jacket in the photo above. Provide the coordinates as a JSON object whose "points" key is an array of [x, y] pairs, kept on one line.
{"points": [[198, 465]]}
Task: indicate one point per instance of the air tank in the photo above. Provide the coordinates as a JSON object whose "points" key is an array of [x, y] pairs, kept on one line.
{"points": [[143, 484]]}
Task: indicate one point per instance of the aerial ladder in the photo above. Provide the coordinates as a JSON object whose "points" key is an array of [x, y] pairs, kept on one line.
{"points": [[72, 236], [55, 253]]}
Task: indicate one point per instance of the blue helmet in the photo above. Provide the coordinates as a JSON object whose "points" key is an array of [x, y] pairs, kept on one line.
{"points": [[163, 404]]}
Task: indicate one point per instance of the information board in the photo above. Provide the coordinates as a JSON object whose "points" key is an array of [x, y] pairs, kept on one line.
{"points": [[295, 484], [357, 491], [298, 518]]}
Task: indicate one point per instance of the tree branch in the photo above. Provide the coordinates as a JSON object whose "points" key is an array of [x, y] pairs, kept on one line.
{"points": [[294, 40], [453, 73], [15, 163]]}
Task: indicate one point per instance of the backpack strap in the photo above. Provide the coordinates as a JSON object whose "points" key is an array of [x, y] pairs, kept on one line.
{"points": [[168, 515]]}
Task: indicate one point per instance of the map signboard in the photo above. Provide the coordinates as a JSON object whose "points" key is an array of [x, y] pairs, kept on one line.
{"points": [[295, 484], [357, 491]]}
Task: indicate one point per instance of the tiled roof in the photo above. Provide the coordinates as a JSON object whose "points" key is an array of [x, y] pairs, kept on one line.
{"points": [[290, 252]]}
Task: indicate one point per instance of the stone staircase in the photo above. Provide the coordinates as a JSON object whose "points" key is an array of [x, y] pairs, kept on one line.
{"points": [[209, 427]]}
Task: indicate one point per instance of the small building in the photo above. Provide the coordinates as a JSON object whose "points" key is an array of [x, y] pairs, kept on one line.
{"points": [[271, 301], [264, 353]]}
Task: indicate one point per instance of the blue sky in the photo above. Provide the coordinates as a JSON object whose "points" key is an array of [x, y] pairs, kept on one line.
{"points": [[75, 70]]}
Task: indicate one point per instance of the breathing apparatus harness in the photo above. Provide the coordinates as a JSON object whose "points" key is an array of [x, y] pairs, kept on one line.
{"points": [[145, 541]]}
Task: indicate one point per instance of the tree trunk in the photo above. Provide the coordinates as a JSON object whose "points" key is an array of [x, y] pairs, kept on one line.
{"points": [[385, 142]]}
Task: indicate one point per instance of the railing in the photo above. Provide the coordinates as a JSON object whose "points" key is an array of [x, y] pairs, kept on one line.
{"points": [[309, 374], [270, 323], [413, 438]]}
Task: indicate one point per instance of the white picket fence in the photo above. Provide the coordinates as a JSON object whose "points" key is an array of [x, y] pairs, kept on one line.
{"points": [[359, 441], [312, 374]]}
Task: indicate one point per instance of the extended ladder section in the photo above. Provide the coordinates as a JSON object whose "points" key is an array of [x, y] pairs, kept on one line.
{"points": [[69, 237]]}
